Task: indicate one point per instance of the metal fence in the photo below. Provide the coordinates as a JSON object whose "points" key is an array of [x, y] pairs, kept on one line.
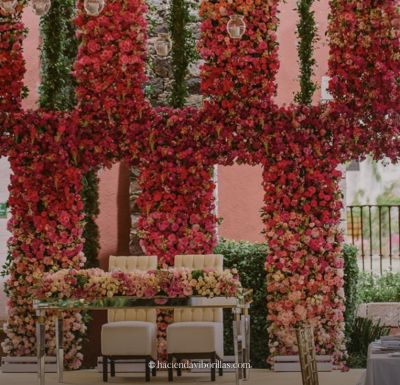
{"points": [[375, 230]]}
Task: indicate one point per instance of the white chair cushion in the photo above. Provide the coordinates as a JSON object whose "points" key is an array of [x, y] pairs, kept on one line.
{"points": [[195, 337], [199, 261], [129, 338]]}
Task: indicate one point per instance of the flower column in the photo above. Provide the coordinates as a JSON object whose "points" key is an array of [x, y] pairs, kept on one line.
{"points": [[46, 225], [302, 218]]}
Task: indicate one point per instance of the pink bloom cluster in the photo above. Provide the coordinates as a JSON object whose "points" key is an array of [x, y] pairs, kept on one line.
{"points": [[96, 283]]}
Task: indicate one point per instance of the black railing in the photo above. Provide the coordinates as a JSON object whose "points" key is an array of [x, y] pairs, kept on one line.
{"points": [[375, 230]]}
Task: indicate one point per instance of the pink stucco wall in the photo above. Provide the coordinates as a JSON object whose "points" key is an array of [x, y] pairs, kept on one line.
{"points": [[240, 189], [31, 55]]}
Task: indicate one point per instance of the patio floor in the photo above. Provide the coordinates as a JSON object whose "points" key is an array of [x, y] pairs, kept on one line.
{"points": [[258, 377]]}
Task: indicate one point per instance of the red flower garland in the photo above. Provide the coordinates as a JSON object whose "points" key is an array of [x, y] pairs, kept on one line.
{"points": [[12, 70], [238, 77], [46, 223], [365, 67], [110, 72], [177, 200], [302, 217]]}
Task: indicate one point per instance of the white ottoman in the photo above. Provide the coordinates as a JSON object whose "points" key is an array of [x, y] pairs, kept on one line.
{"points": [[191, 340], [128, 339], [195, 337]]}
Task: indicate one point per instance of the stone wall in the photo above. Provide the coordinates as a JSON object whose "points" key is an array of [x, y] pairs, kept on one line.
{"points": [[159, 70], [159, 86]]}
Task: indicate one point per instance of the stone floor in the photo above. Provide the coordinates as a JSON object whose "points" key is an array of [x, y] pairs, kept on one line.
{"points": [[258, 377]]}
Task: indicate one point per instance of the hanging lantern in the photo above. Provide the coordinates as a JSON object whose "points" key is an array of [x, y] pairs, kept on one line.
{"points": [[236, 26], [163, 44], [8, 6], [94, 7], [41, 7]]}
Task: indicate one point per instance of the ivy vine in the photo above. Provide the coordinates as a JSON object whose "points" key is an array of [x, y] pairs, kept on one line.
{"points": [[183, 48], [58, 53], [307, 38]]}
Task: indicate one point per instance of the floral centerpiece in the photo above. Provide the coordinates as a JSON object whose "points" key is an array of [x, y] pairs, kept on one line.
{"points": [[96, 283]]}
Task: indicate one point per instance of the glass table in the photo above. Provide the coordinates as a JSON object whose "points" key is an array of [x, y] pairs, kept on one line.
{"points": [[239, 305]]}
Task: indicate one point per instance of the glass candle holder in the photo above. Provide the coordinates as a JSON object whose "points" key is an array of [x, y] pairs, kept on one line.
{"points": [[163, 45], [8, 6], [236, 26], [94, 7], [41, 7]]}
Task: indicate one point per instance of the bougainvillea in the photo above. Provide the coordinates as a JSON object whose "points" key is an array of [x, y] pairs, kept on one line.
{"points": [[299, 148]]}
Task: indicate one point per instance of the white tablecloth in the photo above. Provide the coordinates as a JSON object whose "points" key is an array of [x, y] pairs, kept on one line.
{"points": [[382, 368]]}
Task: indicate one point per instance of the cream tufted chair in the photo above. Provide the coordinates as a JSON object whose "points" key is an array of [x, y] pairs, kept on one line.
{"points": [[196, 333], [129, 333]]}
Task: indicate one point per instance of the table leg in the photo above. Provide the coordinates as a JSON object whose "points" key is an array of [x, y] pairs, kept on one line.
{"points": [[237, 344], [245, 332], [60, 348], [41, 346]]}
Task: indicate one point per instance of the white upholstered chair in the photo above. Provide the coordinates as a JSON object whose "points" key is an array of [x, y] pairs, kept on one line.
{"points": [[130, 333], [196, 333]]}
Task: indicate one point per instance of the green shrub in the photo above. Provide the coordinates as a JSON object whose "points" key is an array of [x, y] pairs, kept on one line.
{"points": [[351, 274], [249, 259], [385, 288], [364, 332]]}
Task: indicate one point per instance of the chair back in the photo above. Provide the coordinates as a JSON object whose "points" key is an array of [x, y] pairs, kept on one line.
{"points": [[126, 265], [308, 361], [132, 263], [199, 262]]}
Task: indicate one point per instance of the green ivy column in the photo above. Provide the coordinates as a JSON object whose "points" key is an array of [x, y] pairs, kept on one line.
{"points": [[307, 34], [183, 50]]}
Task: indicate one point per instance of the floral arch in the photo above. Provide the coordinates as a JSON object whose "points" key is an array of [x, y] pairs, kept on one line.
{"points": [[299, 146]]}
